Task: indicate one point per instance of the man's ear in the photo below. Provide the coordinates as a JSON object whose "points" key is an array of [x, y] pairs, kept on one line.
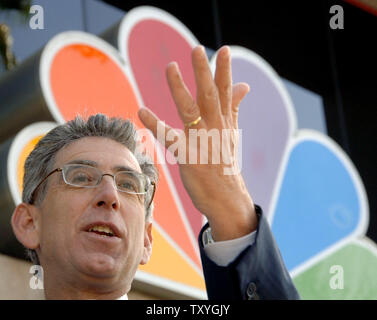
{"points": [[148, 241], [25, 225]]}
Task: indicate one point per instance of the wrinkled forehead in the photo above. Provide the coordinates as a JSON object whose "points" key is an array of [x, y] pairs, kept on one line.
{"points": [[106, 153]]}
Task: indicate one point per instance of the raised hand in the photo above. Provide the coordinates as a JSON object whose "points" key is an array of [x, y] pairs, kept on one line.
{"points": [[209, 171]]}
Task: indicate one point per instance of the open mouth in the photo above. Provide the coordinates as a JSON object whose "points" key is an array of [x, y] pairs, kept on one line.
{"points": [[102, 230]]}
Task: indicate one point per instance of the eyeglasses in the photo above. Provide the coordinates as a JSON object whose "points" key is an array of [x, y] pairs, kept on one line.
{"points": [[84, 176]]}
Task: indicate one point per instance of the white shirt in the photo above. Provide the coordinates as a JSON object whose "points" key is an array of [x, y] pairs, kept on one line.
{"points": [[224, 252], [124, 297]]}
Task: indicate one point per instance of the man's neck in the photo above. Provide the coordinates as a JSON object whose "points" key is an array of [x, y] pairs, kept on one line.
{"points": [[60, 286], [85, 296], [59, 291]]}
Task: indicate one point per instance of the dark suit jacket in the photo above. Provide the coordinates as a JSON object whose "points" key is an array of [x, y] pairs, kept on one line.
{"points": [[257, 273]]}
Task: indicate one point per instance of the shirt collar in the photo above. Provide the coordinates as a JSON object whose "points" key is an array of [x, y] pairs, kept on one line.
{"points": [[124, 297]]}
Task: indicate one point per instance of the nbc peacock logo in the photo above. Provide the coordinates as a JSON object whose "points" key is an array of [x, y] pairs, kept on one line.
{"points": [[309, 189]]}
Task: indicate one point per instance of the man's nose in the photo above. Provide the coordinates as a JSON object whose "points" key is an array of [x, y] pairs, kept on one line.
{"points": [[108, 196]]}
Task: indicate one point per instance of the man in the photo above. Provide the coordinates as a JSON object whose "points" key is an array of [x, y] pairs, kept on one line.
{"points": [[87, 200]]}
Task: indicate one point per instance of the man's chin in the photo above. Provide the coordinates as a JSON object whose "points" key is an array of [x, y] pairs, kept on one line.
{"points": [[100, 265]]}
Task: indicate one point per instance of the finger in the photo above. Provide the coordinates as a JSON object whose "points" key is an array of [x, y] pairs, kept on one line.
{"points": [[206, 91], [223, 79], [159, 128], [188, 110], [240, 90]]}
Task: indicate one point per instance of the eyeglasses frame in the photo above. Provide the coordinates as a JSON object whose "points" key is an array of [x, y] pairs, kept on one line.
{"points": [[104, 174]]}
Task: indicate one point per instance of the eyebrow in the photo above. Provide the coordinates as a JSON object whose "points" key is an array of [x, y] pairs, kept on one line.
{"points": [[85, 162], [95, 164]]}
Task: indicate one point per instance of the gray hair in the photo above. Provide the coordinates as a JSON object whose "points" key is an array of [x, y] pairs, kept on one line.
{"points": [[41, 160]]}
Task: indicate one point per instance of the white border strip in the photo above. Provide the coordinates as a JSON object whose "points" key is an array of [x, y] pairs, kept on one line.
{"points": [[132, 18], [78, 37], [178, 249], [170, 285], [297, 136], [366, 243], [255, 59], [65, 39], [141, 13], [363, 242], [18, 144], [311, 135]]}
